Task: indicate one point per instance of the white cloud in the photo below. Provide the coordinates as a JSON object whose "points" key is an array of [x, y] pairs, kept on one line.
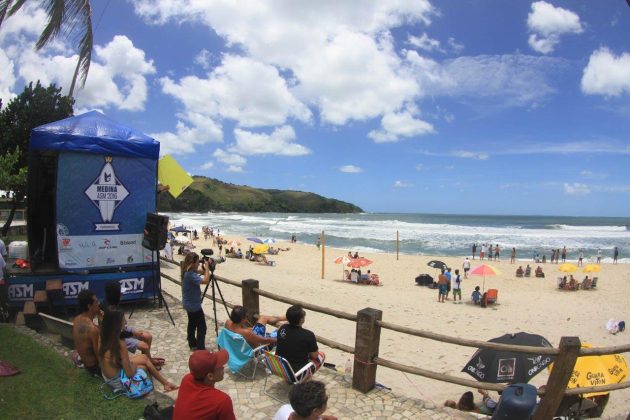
{"points": [[547, 23], [402, 184], [203, 59], [400, 124], [195, 130], [424, 42], [576, 189], [606, 74], [420, 167], [279, 142], [350, 169], [501, 80], [207, 165], [234, 161], [118, 71], [464, 154], [341, 57], [247, 91]]}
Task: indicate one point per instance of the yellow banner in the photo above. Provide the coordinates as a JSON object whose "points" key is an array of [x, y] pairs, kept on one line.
{"points": [[173, 175]]}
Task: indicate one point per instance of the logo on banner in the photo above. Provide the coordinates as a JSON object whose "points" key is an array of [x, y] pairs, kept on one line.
{"points": [[72, 288], [107, 192], [128, 286], [66, 244], [21, 292], [506, 369]]}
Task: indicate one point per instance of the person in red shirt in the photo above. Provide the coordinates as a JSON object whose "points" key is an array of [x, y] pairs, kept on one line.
{"points": [[198, 398]]}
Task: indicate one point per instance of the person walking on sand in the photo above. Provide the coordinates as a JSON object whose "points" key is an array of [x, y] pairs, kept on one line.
{"points": [[457, 287], [490, 252], [474, 250], [482, 253], [599, 255], [466, 267], [580, 258], [448, 280], [497, 253], [564, 254], [615, 255], [513, 256]]}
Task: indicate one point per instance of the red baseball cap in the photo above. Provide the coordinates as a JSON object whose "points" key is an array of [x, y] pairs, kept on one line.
{"points": [[202, 362]]}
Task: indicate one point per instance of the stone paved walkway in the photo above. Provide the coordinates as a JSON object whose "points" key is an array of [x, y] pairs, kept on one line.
{"points": [[250, 402]]}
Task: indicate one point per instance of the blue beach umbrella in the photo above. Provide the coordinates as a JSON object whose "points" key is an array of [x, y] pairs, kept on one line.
{"points": [[269, 241], [256, 240]]}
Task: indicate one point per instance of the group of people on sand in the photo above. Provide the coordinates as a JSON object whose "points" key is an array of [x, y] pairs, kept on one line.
{"points": [[571, 283], [527, 272], [487, 251]]}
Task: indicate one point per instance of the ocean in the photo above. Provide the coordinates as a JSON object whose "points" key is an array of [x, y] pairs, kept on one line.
{"points": [[429, 234]]}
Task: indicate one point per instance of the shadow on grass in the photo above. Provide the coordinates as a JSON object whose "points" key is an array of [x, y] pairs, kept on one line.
{"points": [[50, 387]]}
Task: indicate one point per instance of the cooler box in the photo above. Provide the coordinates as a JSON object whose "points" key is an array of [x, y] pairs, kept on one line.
{"points": [[517, 402], [18, 249]]}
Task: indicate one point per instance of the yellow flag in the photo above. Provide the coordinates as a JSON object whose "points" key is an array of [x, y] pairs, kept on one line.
{"points": [[173, 175]]}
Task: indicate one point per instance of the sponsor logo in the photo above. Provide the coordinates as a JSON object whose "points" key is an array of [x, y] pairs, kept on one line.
{"points": [[21, 292], [87, 244], [107, 244], [539, 363], [107, 192], [480, 364], [506, 368], [129, 286], [89, 261], [127, 243], [71, 289], [110, 260], [130, 259], [66, 243]]}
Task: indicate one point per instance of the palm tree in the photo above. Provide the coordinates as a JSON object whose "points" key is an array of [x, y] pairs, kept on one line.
{"points": [[70, 18]]}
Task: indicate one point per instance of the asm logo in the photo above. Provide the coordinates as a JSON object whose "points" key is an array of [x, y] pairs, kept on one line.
{"points": [[72, 288], [108, 177], [65, 242], [128, 286], [107, 243], [21, 292]]}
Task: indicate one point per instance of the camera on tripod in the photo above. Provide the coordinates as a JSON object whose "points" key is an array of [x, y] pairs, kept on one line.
{"points": [[208, 254]]}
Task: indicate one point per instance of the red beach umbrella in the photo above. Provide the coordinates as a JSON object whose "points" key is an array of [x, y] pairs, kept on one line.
{"points": [[484, 270], [359, 262]]}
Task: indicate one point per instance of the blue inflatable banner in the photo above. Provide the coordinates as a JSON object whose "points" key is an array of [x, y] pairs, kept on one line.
{"points": [[102, 203]]}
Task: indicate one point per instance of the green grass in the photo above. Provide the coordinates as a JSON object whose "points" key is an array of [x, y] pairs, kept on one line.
{"points": [[49, 387]]}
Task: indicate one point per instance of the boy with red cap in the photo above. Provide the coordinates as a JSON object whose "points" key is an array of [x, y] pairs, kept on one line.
{"points": [[198, 398]]}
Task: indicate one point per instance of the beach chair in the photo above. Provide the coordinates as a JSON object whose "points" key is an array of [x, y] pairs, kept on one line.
{"points": [[346, 275], [241, 353], [586, 284], [492, 295], [373, 280], [354, 277], [278, 366], [519, 274], [594, 284]]}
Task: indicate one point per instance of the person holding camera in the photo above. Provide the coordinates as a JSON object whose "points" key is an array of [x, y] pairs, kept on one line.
{"points": [[191, 299]]}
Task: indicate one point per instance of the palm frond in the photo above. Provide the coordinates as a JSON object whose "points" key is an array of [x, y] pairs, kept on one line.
{"points": [[4, 6]]}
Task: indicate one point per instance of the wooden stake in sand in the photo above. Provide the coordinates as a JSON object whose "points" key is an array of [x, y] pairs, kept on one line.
{"points": [[323, 252], [397, 245]]}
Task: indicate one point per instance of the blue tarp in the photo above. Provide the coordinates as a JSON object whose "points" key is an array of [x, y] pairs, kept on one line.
{"points": [[93, 132]]}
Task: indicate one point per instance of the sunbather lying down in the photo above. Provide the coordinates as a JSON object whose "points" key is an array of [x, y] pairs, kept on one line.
{"points": [[261, 259]]}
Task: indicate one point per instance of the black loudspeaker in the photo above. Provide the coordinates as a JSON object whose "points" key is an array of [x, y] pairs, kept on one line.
{"points": [[155, 232]]}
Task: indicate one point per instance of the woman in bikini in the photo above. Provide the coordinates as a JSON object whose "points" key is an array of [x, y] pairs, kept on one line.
{"points": [[114, 357]]}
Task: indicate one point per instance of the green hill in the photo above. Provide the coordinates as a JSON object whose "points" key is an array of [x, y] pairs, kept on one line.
{"points": [[207, 194]]}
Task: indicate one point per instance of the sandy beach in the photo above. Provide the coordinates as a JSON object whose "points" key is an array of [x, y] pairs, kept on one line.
{"points": [[532, 305]]}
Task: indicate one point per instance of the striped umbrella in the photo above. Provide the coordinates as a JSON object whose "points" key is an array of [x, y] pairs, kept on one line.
{"points": [[483, 270]]}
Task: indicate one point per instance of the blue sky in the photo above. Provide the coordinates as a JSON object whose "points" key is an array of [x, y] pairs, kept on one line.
{"points": [[456, 106]]}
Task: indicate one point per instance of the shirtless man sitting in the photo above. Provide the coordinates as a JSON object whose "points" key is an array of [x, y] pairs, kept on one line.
{"points": [[85, 333], [254, 335]]}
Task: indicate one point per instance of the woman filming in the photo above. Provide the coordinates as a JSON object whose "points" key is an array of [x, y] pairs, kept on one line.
{"points": [[116, 365], [191, 300]]}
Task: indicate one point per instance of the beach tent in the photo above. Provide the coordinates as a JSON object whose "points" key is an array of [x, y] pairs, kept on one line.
{"points": [[91, 183]]}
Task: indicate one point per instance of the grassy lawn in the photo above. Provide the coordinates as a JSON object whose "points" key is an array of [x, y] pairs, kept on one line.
{"points": [[49, 387]]}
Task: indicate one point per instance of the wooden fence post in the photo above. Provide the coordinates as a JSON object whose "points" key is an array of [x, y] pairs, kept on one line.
{"points": [[559, 378], [250, 299], [367, 339]]}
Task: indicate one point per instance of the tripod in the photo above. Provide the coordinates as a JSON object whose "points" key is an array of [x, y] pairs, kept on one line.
{"points": [[156, 280], [215, 286]]}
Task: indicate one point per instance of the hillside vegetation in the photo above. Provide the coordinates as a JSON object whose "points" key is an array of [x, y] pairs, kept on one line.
{"points": [[207, 194]]}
